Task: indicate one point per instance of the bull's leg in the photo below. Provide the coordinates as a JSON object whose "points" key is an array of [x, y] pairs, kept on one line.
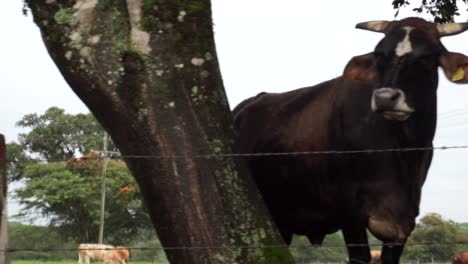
{"points": [[286, 235], [391, 253], [357, 245], [315, 239], [83, 260], [80, 257]]}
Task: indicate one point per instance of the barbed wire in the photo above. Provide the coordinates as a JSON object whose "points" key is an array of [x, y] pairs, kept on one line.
{"points": [[263, 154], [453, 112], [70, 125], [298, 153], [456, 124], [65, 138], [410, 244], [294, 153]]}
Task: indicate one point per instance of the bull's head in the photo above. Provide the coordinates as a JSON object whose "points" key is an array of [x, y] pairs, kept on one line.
{"points": [[404, 65]]}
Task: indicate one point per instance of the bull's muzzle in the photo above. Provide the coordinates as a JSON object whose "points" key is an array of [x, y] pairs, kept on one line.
{"points": [[391, 103]]}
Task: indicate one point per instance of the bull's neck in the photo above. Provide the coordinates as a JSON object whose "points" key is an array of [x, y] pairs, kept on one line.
{"points": [[419, 129]]}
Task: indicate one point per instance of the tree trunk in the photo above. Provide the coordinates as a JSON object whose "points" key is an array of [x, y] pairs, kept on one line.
{"points": [[4, 241], [148, 71]]}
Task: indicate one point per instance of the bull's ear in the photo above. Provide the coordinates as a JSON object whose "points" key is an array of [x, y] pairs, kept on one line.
{"points": [[455, 66], [361, 68]]}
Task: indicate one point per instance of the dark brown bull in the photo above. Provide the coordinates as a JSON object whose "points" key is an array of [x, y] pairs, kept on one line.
{"points": [[385, 100]]}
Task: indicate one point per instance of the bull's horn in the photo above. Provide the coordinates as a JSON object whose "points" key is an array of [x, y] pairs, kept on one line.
{"points": [[450, 29], [376, 26]]}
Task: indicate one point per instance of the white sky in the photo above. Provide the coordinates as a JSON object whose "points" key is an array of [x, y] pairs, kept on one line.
{"points": [[263, 45]]}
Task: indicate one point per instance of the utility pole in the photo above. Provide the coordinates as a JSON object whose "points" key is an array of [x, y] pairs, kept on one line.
{"points": [[106, 160], [4, 243]]}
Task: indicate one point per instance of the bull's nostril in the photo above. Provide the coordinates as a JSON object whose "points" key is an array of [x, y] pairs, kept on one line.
{"points": [[395, 96]]}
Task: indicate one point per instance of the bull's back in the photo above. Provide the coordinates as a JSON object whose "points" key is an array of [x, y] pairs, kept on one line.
{"points": [[288, 119], [95, 251], [292, 185]]}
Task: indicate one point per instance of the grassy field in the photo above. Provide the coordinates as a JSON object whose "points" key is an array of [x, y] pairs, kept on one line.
{"points": [[75, 262], [136, 262]]}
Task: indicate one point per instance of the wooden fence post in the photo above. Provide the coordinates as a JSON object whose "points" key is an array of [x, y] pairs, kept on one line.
{"points": [[4, 254]]}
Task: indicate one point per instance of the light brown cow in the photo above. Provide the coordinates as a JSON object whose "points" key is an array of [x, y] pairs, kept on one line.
{"points": [[106, 253], [123, 253], [460, 259], [375, 256]]}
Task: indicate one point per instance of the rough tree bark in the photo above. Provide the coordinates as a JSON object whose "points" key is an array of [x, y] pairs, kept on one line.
{"points": [[148, 71]]}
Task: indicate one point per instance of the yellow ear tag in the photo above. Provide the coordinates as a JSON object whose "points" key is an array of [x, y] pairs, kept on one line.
{"points": [[458, 75]]}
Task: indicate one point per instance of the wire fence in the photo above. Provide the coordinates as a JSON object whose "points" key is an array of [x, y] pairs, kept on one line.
{"points": [[264, 154], [240, 247], [331, 253], [269, 154]]}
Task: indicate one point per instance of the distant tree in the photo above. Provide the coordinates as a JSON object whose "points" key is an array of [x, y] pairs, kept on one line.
{"points": [[146, 240], [332, 250], [56, 135], [68, 193], [464, 226], [38, 240], [462, 238], [57, 190], [434, 239], [17, 159], [443, 11]]}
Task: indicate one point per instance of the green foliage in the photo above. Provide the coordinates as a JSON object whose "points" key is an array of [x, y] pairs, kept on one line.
{"points": [[46, 245], [74, 262], [17, 160], [434, 239], [464, 226], [56, 135], [462, 238], [443, 11], [147, 247], [38, 239], [333, 250], [69, 195]]}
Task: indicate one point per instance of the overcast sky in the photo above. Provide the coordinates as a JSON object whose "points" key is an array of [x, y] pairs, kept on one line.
{"points": [[263, 45]]}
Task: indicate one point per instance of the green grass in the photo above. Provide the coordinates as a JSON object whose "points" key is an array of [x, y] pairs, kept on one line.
{"points": [[131, 262], [464, 225], [76, 261]]}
